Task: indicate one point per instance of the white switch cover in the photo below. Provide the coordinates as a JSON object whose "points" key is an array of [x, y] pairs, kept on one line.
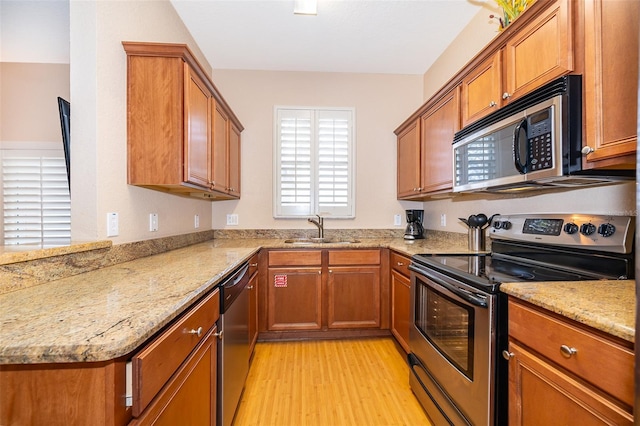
{"points": [[196, 221], [112, 225], [443, 219], [153, 222], [397, 220], [232, 219]]}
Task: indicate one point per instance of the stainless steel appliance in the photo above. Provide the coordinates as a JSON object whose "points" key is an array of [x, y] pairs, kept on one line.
{"points": [[233, 351], [414, 229], [534, 142], [459, 317]]}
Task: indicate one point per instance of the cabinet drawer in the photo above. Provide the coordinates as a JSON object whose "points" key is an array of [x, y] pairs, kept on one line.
{"points": [[354, 257], [156, 363], [253, 264], [400, 263], [295, 258], [598, 360]]}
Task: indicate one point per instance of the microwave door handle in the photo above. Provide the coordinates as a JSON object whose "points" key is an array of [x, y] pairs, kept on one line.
{"points": [[522, 168]]}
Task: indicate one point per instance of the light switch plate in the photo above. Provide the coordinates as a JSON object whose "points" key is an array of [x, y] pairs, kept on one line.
{"points": [[153, 222], [397, 220], [112, 225]]}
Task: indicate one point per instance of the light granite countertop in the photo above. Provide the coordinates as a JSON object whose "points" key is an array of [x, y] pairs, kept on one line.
{"points": [[608, 306], [109, 312]]}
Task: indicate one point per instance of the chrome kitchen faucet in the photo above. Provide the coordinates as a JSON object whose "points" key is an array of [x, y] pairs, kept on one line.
{"points": [[319, 223]]}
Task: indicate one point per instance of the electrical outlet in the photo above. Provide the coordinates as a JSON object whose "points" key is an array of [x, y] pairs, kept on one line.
{"points": [[397, 220], [196, 221], [443, 219], [112, 225], [153, 222], [232, 219]]}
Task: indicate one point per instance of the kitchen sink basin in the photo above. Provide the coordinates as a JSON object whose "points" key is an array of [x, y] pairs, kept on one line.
{"points": [[303, 241]]}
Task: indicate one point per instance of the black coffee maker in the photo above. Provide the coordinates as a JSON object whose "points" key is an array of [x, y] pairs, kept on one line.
{"points": [[414, 229]]}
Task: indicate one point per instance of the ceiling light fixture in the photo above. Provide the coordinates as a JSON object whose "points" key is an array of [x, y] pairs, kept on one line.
{"points": [[305, 7]]}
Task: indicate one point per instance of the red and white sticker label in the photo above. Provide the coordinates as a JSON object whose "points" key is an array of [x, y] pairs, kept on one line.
{"points": [[280, 281]]}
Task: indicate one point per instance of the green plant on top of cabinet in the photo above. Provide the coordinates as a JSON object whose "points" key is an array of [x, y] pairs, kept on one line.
{"points": [[181, 135]]}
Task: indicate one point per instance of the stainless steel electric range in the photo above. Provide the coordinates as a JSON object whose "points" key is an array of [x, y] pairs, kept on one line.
{"points": [[459, 316]]}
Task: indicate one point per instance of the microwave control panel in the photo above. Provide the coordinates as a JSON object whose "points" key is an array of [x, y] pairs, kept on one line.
{"points": [[539, 140]]}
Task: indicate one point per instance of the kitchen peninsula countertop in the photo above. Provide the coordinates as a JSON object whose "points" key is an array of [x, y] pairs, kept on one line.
{"points": [[608, 306], [109, 312]]}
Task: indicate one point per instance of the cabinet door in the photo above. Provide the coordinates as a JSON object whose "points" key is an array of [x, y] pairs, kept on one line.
{"points": [[539, 52], [253, 311], [611, 81], [294, 298], [189, 398], [400, 293], [540, 394], [234, 161], [354, 297], [439, 125], [481, 90], [409, 161], [220, 148], [197, 144]]}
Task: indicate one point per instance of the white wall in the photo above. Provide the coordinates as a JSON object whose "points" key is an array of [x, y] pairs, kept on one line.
{"points": [[99, 133], [381, 103]]}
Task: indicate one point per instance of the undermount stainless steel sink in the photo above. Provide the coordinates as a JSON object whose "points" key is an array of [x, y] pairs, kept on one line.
{"points": [[303, 241]]}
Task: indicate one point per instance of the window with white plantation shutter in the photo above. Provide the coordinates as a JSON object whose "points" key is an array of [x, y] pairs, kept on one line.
{"points": [[314, 162], [36, 201]]}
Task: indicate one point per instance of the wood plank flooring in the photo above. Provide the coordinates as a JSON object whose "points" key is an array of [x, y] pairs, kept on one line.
{"points": [[329, 383]]}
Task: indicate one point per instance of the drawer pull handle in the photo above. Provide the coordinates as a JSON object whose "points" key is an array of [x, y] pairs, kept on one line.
{"points": [[219, 335], [567, 352], [400, 264], [507, 355], [198, 332], [253, 265]]}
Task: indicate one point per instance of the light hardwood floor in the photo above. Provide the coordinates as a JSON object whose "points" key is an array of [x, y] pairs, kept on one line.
{"points": [[363, 382]]}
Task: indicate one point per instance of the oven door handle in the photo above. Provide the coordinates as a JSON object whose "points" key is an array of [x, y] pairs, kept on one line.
{"points": [[461, 293]]}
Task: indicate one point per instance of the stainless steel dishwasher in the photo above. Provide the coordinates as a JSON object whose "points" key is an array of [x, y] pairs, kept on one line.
{"points": [[233, 351]]}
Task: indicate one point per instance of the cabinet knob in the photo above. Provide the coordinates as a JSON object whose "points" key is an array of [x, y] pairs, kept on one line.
{"points": [[198, 332], [567, 351], [492, 104], [587, 150], [400, 264], [506, 95], [219, 335], [253, 265], [507, 355]]}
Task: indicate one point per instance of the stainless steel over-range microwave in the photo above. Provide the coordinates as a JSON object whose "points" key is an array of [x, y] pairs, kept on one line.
{"points": [[534, 142]]}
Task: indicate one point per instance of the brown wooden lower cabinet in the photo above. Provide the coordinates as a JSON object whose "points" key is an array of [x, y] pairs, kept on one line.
{"points": [[400, 298], [189, 398], [564, 373], [325, 291]]}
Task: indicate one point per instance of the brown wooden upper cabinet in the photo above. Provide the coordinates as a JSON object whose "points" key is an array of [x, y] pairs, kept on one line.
{"points": [[550, 39], [611, 82], [424, 149], [538, 52], [182, 137]]}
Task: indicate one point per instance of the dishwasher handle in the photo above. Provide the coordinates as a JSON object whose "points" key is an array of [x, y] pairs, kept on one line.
{"points": [[237, 277]]}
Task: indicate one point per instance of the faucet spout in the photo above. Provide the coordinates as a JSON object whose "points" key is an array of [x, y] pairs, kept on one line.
{"points": [[319, 223]]}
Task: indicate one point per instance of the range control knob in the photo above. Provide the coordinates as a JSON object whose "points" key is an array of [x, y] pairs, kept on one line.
{"points": [[570, 228], [497, 224], [587, 228], [606, 229], [506, 224]]}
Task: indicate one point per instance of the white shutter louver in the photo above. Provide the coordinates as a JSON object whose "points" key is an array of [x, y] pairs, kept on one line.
{"points": [[36, 201], [314, 162]]}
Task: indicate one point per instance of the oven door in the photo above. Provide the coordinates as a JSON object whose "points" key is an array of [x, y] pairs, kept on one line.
{"points": [[453, 348]]}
